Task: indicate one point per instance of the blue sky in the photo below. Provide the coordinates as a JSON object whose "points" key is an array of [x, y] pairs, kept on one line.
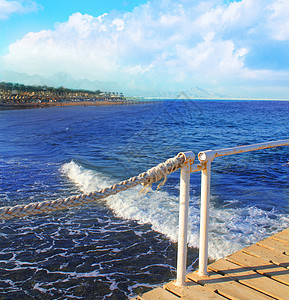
{"points": [[151, 48], [33, 16]]}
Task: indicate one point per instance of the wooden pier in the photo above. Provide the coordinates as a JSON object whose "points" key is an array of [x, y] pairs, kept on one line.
{"points": [[260, 271]]}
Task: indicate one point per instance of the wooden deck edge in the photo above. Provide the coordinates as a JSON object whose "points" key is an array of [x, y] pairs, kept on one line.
{"points": [[260, 271]]}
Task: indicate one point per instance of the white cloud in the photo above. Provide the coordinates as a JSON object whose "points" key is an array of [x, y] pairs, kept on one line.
{"points": [[8, 8], [278, 22], [162, 45], [119, 23]]}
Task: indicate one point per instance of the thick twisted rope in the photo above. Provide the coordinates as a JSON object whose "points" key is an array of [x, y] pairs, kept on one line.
{"points": [[146, 179]]}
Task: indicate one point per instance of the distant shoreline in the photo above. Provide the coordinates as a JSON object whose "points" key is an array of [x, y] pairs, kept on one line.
{"points": [[68, 103]]}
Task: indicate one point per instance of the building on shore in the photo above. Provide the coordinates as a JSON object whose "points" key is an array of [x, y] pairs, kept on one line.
{"points": [[21, 94]]}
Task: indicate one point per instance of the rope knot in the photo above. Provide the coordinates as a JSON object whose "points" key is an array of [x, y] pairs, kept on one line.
{"points": [[161, 171]]}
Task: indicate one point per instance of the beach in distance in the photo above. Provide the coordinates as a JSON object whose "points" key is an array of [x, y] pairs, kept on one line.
{"points": [[17, 96], [67, 103]]}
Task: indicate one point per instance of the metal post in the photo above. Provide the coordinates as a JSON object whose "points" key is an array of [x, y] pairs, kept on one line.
{"points": [[183, 224], [204, 222], [183, 219]]}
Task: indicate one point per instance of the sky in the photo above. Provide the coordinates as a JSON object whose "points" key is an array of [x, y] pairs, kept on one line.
{"points": [[156, 48]]}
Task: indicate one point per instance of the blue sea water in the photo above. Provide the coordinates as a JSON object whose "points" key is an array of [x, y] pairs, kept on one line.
{"points": [[124, 245]]}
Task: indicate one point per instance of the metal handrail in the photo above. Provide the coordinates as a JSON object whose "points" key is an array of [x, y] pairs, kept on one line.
{"points": [[205, 158]]}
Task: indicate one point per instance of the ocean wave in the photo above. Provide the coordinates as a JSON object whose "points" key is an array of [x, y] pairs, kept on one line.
{"points": [[230, 228]]}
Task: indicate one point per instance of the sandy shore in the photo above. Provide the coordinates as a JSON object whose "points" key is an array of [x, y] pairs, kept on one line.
{"points": [[68, 103], [88, 103]]}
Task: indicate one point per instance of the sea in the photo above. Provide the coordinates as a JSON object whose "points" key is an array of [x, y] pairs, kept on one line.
{"points": [[125, 245]]}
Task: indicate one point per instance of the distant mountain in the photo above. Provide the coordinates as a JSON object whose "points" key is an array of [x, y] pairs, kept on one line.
{"points": [[193, 93], [57, 80], [68, 81], [201, 93]]}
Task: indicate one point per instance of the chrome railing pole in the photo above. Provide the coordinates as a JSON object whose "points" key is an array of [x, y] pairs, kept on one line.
{"points": [[183, 219], [205, 158], [204, 215]]}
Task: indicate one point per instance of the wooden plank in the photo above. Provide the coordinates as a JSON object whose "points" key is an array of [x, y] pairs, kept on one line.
{"points": [[260, 265], [158, 294], [227, 287], [286, 231], [275, 245], [251, 279], [192, 291], [283, 237], [267, 254]]}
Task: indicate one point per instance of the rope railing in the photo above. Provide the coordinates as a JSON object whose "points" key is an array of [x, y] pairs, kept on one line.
{"points": [[146, 179]]}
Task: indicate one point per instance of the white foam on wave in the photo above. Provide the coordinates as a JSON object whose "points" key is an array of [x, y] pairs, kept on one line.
{"points": [[230, 228]]}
